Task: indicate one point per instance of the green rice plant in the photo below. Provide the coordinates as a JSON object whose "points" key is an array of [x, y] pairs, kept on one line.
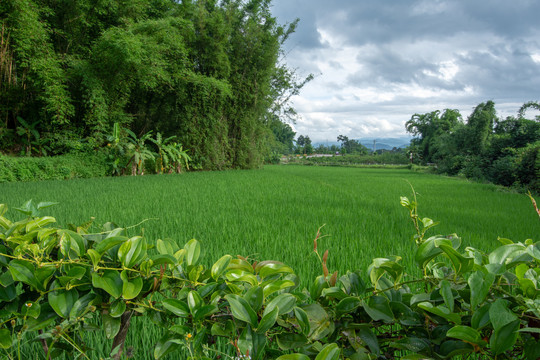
{"points": [[58, 283], [274, 213]]}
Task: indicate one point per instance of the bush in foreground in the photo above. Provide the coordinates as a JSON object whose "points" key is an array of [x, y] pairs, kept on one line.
{"points": [[57, 282]]}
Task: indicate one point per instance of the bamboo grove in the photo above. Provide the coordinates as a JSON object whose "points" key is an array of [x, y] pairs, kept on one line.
{"points": [[207, 72]]}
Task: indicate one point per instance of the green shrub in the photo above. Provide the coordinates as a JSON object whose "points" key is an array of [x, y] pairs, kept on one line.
{"points": [[59, 282], [57, 167], [528, 167]]}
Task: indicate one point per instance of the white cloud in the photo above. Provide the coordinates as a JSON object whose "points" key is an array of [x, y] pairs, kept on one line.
{"points": [[377, 63]]}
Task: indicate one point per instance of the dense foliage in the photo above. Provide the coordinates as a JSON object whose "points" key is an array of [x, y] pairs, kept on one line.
{"points": [[503, 151], [58, 282], [207, 72], [69, 166]]}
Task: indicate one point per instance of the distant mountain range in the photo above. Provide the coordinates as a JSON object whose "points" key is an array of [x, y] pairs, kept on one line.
{"points": [[380, 143]]}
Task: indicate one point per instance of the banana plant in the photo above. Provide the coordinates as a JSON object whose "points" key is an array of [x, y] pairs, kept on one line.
{"points": [[139, 151], [164, 153], [178, 157], [29, 135]]}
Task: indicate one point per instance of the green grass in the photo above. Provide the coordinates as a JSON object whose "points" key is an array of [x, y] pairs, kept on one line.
{"points": [[274, 213]]}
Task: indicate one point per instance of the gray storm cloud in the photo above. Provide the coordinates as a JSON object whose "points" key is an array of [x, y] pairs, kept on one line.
{"points": [[379, 62]]}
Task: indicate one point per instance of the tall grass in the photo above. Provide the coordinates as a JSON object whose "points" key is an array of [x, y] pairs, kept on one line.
{"points": [[274, 213]]}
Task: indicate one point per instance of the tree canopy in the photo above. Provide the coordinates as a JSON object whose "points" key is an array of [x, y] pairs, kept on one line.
{"points": [[504, 151], [207, 72]]}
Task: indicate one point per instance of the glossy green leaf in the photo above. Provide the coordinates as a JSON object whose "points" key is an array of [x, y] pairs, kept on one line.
{"points": [[504, 337], [276, 285], [220, 266], [348, 305], [23, 271], [411, 343], [285, 303], [364, 332], [252, 343], [255, 297], [5, 339], [81, 305], [163, 259], [8, 293], [317, 287], [334, 292], [441, 311], [460, 263], [479, 283], [204, 311], [500, 315], [43, 275], [467, 334], [502, 253], [239, 264], [94, 256], [378, 308], [62, 300], [130, 287], [111, 282], [241, 275], [110, 325], [72, 244], [303, 320], [193, 251], [268, 320], [452, 348], [132, 251], [289, 341], [534, 250], [177, 307], [165, 345], [77, 272], [6, 279], [446, 293], [39, 223], [207, 289], [195, 273], [381, 266], [194, 301], [427, 251], [480, 317], [166, 247], [319, 321], [45, 204], [329, 352], [293, 357], [118, 307], [272, 268], [241, 310], [109, 242]]}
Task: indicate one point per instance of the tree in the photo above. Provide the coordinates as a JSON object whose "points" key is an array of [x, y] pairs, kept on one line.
{"points": [[208, 72], [283, 135], [308, 147], [351, 146], [480, 125], [426, 128]]}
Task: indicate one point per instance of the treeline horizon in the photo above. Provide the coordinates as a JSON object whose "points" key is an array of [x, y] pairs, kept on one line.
{"points": [[210, 73], [485, 147]]}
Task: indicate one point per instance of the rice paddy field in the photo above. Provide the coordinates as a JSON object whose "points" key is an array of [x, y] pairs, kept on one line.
{"points": [[274, 213]]}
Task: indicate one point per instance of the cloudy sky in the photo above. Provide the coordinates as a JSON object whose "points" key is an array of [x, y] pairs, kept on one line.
{"points": [[377, 62]]}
